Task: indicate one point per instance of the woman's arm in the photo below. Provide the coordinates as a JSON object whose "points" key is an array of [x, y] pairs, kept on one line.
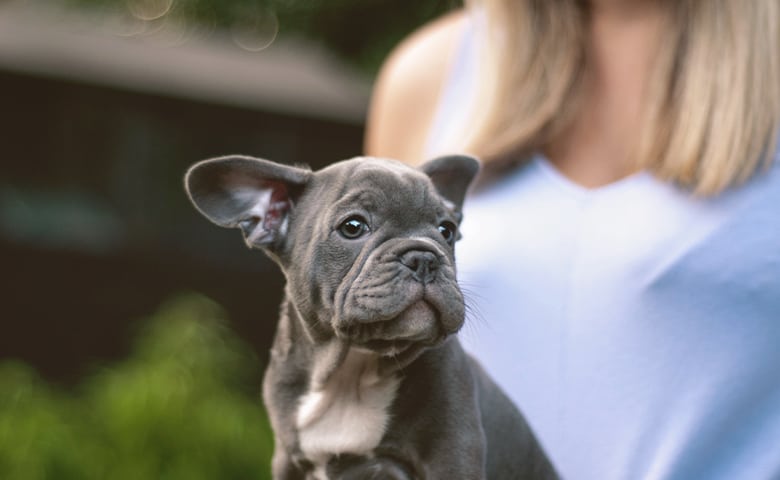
{"points": [[406, 92]]}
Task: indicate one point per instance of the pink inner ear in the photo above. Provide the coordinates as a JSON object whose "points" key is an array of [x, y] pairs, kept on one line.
{"points": [[278, 206]]}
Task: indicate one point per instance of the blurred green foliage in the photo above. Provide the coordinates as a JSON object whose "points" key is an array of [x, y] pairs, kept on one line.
{"points": [[360, 31], [184, 405]]}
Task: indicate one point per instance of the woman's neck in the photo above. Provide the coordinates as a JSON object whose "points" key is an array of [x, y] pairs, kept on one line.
{"points": [[596, 148]]}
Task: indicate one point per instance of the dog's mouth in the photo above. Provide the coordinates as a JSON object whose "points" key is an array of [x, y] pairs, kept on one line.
{"points": [[417, 326]]}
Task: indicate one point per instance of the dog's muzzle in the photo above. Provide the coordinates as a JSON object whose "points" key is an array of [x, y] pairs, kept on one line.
{"points": [[403, 295]]}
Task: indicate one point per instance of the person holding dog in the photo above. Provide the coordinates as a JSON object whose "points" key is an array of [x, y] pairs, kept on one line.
{"points": [[622, 250]]}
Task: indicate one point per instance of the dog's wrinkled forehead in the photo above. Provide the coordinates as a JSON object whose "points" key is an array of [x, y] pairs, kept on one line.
{"points": [[379, 184]]}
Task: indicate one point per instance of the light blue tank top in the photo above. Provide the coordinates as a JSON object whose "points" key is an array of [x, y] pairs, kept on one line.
{"points": [[637, 327]]}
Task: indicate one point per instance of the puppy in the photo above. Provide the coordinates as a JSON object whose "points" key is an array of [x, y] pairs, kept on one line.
{"points": [[366, 379]]}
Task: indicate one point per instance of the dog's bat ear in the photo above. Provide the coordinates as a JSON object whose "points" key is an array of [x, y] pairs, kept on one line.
{"points": [[452, 175], [252, 194]]}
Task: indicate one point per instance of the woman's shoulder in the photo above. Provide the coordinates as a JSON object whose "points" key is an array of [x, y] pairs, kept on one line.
{"points": [[407, 89]]}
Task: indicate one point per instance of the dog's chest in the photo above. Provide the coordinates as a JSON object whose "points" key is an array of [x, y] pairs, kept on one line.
{"points": [[349, 414]]}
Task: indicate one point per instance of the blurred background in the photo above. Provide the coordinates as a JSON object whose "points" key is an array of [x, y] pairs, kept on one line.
{"points": [[132, 332]]}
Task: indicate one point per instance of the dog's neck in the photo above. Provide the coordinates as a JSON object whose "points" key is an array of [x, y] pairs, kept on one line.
{"points": [[321, 352]]}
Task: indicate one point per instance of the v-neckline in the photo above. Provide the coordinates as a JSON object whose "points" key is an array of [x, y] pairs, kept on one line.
{"points": [[568, 185]]}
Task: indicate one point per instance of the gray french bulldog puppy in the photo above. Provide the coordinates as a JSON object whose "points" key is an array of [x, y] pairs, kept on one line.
{"points": [[366, 379]]}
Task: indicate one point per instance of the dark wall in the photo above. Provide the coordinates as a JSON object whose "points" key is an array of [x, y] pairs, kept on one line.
{"points": [[95, 229]]}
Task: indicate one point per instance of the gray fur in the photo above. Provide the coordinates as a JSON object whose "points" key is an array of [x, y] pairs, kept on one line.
{"points": [[392, 292]]}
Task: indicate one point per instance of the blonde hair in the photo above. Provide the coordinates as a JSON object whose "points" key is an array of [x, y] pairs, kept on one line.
{"points": [[712, 111]]}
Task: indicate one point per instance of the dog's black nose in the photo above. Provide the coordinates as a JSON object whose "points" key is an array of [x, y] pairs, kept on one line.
{"points": [[423, 264]]}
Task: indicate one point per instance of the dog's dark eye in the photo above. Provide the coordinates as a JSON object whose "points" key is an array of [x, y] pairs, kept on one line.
{"points": [[447, 230], [353, 227]]}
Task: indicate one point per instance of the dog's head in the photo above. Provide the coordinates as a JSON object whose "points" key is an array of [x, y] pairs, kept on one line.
{"points": [[366, 244]]}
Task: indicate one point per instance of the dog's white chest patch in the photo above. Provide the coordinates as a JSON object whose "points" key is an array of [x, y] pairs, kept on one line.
{"points": [[349, 414]]}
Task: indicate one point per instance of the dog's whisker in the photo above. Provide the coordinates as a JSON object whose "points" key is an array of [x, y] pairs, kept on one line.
{"points": [[473, 305]]}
